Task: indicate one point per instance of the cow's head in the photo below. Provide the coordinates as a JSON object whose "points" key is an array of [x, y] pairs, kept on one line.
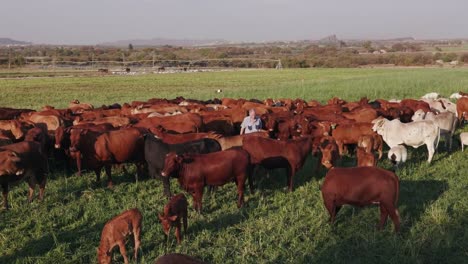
{"points": [[329, 151], [10, 163], [17, 129], [104, 255], [171, 164], [379, 124], [166, 222], [75, 138], [418, 115]]}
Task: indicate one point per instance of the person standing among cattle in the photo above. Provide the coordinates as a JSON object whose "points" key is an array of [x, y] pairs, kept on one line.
{"points": [[251, 123]]}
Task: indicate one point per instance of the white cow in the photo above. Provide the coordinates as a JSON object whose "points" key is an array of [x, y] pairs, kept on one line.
{"points": [[413, 134], [398, 155], [441, 105], [455, 96], [446, 121], [432, 96]]}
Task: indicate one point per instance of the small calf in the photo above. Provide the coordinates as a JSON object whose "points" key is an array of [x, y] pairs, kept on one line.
{"points": [[174, 210], [115, 232], [365, 159], [464, 139], [397, 155]]}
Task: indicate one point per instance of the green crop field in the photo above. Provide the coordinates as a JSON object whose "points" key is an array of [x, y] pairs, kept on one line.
{"points": [[275, 226]]}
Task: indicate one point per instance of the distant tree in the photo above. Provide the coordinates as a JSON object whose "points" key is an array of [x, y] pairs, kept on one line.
{"points": [[368, 46], [438, 49], [130, 46]]}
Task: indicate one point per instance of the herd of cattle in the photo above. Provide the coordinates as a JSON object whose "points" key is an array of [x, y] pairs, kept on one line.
{"points": [[198, 143]]}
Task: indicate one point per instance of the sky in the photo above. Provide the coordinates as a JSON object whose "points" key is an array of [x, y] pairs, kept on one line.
{"points": [[97, 21]]}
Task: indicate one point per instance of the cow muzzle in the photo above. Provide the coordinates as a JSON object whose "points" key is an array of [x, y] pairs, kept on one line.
{"points": [[73, 149], [163, 174], [57, 146]]}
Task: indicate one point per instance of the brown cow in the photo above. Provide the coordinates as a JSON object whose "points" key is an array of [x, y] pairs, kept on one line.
{"points": [[370, 143], [177, 258], [115, 233], [96, 149], [31, 165], [329, 151], [175, 211], [194, 171], [365, 158], [273, 154], [462, 109], [14, 126], [364, 186], [349, 134]]}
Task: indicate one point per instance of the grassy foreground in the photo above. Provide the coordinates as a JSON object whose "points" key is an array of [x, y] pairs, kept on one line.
{"points": [[275, 226]]}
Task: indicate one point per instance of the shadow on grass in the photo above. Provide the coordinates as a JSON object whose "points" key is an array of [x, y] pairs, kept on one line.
{"points": [[372, 246], [74, 238]]}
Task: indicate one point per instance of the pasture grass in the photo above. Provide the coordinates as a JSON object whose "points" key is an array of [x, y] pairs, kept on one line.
{"points": [[274, 226]]}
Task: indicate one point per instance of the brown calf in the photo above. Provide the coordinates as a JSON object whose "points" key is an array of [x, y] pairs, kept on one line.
{"points": [[116, 231], [174, 210], [364, 158]]}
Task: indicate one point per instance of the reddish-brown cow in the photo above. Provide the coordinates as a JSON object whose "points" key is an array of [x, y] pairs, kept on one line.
{"points": [[365, 159], [115, 233], [194, 171], [462, 109], [31, 164], [349, 134], [364, 186], [329, 151], [175, 211], [272, 154]]}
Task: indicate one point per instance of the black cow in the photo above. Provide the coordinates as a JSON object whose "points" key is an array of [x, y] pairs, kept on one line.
{"points": [[156, 151]]}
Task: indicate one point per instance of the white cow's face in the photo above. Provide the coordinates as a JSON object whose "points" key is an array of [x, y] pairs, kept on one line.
{"points": [[378, 126], [418, 115]]}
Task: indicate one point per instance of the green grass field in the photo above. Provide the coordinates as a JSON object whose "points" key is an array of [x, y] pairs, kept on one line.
{"points": [[274, 226]]}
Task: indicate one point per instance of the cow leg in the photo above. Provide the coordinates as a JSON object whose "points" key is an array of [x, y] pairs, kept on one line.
{"points": [[167, 186], [31, 185], [340, 147], [291, 173], [331, 208], [98, 174], [5, 196], [197, 199], [250, 178], [394, 214], [177, 232], [240, 192], [123, 251], [136, 237], [108, 169], [78, 162], [184, 218], [430, 150], [383, 217]]}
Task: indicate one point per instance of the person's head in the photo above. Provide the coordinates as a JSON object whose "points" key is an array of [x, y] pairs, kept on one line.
{"points": [[252, 112]]}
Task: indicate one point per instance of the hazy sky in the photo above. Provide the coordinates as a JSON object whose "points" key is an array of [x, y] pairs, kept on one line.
{"points": [[96, 21]]}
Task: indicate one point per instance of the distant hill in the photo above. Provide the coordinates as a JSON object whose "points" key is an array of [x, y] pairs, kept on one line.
{"points": [[162, 42], [9, 41]]}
